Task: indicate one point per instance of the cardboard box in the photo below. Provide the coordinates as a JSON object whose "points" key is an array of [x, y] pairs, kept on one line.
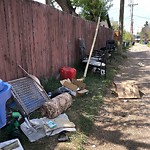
{"points": [[75, 87], [127, 89]]}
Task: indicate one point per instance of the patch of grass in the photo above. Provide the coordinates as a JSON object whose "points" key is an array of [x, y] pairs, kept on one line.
{"points": [[85, 124], [78, 139], [50, 84], [85, 107]]}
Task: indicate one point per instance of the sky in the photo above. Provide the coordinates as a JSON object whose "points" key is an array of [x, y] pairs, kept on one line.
{"points": [[141, 13], [41, 1]]}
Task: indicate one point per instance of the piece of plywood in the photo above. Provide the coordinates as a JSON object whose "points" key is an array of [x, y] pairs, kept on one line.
{"points": [[127, 89]]}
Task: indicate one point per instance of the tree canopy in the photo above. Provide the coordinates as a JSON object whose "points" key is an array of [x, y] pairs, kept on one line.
{"points": [[88, 9], [91, 9], [127, 36], [115, 25], [145, 32]]}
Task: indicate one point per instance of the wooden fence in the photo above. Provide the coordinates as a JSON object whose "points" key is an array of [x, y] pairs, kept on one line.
{"points": [[41, 39]]}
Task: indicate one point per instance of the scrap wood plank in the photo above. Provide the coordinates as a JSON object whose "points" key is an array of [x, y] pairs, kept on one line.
{"points": [[127, 89]]}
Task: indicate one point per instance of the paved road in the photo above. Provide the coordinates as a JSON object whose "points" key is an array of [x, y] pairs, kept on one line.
{"points": [[124, 124]]}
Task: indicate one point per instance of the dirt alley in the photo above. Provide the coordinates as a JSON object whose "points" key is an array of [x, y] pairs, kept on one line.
{"points": [[124, 124]]}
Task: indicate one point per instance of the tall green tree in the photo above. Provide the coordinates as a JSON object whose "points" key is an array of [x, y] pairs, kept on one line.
{"points": [[146, 24], [65, 5], [115, 25], [145, 32], [127, 36], [89, 9]]}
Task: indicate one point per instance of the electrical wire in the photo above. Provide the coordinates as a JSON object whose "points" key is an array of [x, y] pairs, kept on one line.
{"points": [[141, 17]]}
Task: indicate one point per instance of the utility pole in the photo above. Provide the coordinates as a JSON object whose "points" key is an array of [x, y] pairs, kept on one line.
{"points": [[131, 5], [121, 18]]}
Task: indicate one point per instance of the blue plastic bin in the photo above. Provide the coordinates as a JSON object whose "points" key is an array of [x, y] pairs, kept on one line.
{"points": [[1, 85], [5, 94]]}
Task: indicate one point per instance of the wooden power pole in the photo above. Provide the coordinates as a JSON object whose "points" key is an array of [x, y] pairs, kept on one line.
{"points": [[131, 5], [121, 18]]}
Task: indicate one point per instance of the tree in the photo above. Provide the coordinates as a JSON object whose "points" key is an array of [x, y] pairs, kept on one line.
{"points": [[145, 32], [65, 5], [146, 24], [114, 25], [127, 36], [89, 9]]}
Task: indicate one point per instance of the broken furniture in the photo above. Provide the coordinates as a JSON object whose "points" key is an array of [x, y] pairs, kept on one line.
{"points": [[29, 95], [83, 56], [110, 48], [5, 94], [97, 61]]}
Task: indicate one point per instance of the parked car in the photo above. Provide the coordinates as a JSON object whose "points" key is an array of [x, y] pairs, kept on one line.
{"points": [[145, 42]]}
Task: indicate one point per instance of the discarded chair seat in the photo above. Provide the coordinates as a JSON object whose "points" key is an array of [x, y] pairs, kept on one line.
{"points": [[110, 45], [95, 63], [28, 95], [98, 60]]}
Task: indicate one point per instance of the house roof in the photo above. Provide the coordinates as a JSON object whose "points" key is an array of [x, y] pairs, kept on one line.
{"points": [[108, 21]]}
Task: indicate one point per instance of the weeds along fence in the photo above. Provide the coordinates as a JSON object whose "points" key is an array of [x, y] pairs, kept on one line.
{"points": [[41, 39]]}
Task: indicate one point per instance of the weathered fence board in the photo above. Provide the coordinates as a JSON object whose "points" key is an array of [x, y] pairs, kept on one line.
{"points": [[2, 41], [41, 39]]}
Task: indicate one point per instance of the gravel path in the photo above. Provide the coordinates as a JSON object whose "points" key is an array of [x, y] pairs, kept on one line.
{"points": [[124, 124]]}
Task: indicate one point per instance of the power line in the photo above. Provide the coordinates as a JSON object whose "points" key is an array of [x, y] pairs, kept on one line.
{"points": [[126, 17], [141, 17], [116, 8]]}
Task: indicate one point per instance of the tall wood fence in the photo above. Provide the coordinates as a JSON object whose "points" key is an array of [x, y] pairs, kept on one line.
{"points": [[41, 39]]}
